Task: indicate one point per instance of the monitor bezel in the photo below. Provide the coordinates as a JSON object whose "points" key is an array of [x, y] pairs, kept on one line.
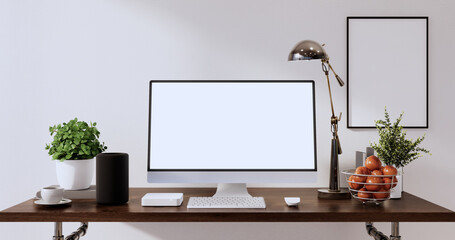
{"points": [[231, 170]]}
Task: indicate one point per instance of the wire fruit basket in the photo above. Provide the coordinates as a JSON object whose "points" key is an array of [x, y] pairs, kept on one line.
{"points": [[369, 188]]}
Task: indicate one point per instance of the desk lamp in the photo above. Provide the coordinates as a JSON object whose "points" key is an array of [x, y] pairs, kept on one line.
{"points": [[311, 50]]}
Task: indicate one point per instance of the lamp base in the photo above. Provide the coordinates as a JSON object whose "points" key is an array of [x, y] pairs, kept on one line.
{"points": [[325, 193]]}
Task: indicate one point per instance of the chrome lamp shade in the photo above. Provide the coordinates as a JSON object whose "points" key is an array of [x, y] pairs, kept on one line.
{"points": [[307, 50]]}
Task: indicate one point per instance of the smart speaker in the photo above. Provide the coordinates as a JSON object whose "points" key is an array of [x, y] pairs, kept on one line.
{"points": [[112, 178]]}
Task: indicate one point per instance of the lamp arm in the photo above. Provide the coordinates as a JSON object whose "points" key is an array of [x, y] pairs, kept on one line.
{"points": [[326, 71], [334, 119], [336, 75]]}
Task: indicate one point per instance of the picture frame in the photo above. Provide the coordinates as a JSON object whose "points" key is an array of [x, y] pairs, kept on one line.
{"points": [[387, 66]]}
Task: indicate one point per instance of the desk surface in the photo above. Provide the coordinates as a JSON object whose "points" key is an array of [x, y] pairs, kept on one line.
{"points": [[311, 209]]}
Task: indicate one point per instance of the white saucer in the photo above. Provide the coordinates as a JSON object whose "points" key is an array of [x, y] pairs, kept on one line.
{"points": [[62, 202], [292, 201]]}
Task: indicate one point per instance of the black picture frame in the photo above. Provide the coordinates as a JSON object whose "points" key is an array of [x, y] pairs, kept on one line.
{"points": [[349, 83]]}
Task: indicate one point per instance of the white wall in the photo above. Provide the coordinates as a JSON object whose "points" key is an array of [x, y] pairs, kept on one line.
{"points": [[93, 59]]}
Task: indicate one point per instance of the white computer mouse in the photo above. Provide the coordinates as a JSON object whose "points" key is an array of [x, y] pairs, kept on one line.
{"points": [[292, 201]]}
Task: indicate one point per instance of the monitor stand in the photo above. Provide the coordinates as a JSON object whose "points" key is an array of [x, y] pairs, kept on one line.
{"points": [[231, 190]]}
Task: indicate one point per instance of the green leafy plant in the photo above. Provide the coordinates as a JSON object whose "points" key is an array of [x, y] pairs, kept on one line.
{"points": [[74, 140], [393, 147]]}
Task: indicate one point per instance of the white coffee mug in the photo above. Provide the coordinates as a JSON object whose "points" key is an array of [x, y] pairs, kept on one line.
{"points": [[52, 194]]}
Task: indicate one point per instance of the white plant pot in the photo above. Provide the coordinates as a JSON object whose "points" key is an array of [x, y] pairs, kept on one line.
{"points": [[396, 193], [75, 174]]}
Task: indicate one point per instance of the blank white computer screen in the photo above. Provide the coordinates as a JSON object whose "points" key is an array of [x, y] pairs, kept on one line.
{"points": [[232, 125]]}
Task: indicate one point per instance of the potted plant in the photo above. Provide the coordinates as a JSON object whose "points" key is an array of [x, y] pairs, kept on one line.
{"points": [[395, 149], [75, 145]]}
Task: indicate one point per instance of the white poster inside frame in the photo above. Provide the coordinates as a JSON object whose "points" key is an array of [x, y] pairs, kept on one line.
{"points": [[387, 67]]}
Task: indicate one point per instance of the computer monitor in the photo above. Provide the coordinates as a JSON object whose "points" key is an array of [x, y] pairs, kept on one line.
{"points": [[232, 132]]}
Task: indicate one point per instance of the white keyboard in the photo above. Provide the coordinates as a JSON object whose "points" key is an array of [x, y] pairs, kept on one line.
{"points": [[226, 202]]}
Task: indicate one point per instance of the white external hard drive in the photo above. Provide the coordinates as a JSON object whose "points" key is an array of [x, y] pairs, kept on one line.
{"points": [[162, 199]]}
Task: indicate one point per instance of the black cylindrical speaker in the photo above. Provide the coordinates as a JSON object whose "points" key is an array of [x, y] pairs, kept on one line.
{"points": [[112, 178]]}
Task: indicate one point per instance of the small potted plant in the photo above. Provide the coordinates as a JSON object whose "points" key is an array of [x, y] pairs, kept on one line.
{"points": [[75, 145], [395, 149]]}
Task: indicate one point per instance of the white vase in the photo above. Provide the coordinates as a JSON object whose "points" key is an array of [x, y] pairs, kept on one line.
{"points": [[75, 174], [397, 191]]}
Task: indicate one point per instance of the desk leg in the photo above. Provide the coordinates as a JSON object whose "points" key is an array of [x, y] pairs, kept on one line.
{"points": [[374, 232], [58, 234], [76, 235], [395, 231], [378, 235]]}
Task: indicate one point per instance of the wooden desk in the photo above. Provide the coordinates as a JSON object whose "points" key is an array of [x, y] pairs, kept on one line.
{"points": [[409, 209], [311, 209]]}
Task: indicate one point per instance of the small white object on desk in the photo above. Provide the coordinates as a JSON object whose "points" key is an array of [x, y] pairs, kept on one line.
{"points": [[292, 201], [52, 194], [162, 199]]}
